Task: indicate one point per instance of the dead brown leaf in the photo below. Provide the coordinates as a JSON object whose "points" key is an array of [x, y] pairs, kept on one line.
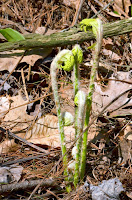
{"points": [[17, 119], [103, 96], [9, 59], [113, 56], [43, 131]]}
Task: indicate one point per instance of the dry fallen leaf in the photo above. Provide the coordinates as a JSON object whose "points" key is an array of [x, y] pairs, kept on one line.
{"points": [[128, 131], [103, 96], [4, 106], [9, 59], [113, 56], [71, 3], [17, 119], [10, 174], [43, 131], [124, 5], [43, 31]]}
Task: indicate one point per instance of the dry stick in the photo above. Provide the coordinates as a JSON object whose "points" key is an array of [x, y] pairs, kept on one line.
{"points": [[29, 72], [111, 79], [104, 8], [23, 140], [100, 16], [47, 195], [86, 129], [27, 184], [78, 10], [122, 129], [26, 159], [52, 193], [23, 80]]}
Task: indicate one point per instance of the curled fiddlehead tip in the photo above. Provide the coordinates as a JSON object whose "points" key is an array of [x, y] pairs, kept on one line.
{"points": [[78, 53], [74, 152], [86, 23], [80, 97], [65, 60], [67, 118]]}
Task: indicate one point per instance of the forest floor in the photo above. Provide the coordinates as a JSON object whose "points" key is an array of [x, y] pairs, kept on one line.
{"points": [[34, 160]]}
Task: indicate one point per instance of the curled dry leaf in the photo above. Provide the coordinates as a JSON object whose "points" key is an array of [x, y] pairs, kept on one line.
{"points": [[71, 3], [43, 31], [44, 131]]}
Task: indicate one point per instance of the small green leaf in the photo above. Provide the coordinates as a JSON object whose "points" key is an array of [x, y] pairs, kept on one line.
{"points": [[67, 118], [116, 12], [92, 46], [12, 35]]}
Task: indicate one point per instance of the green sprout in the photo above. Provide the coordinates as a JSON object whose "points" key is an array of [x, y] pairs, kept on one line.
{"points": [[68, 60], [78, 56], [80, 101], [98, 32], [58, 62]]}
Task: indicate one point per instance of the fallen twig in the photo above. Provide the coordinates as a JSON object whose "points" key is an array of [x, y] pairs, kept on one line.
{"points": [[27, 185], [24, 141], [73, 36]]}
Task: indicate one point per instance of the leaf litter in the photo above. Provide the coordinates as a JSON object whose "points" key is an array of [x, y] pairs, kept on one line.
{"points": [[109, 135]]}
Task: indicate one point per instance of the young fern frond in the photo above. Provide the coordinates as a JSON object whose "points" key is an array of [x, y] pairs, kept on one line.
{"points": [[79, 110], [80, 101], [78, 56], [66, 58], [98, 32]]}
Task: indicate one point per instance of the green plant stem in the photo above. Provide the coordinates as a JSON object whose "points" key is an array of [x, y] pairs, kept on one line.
{"points": [[76, 89], [80, 123], [90, 94], [54, 66]]}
